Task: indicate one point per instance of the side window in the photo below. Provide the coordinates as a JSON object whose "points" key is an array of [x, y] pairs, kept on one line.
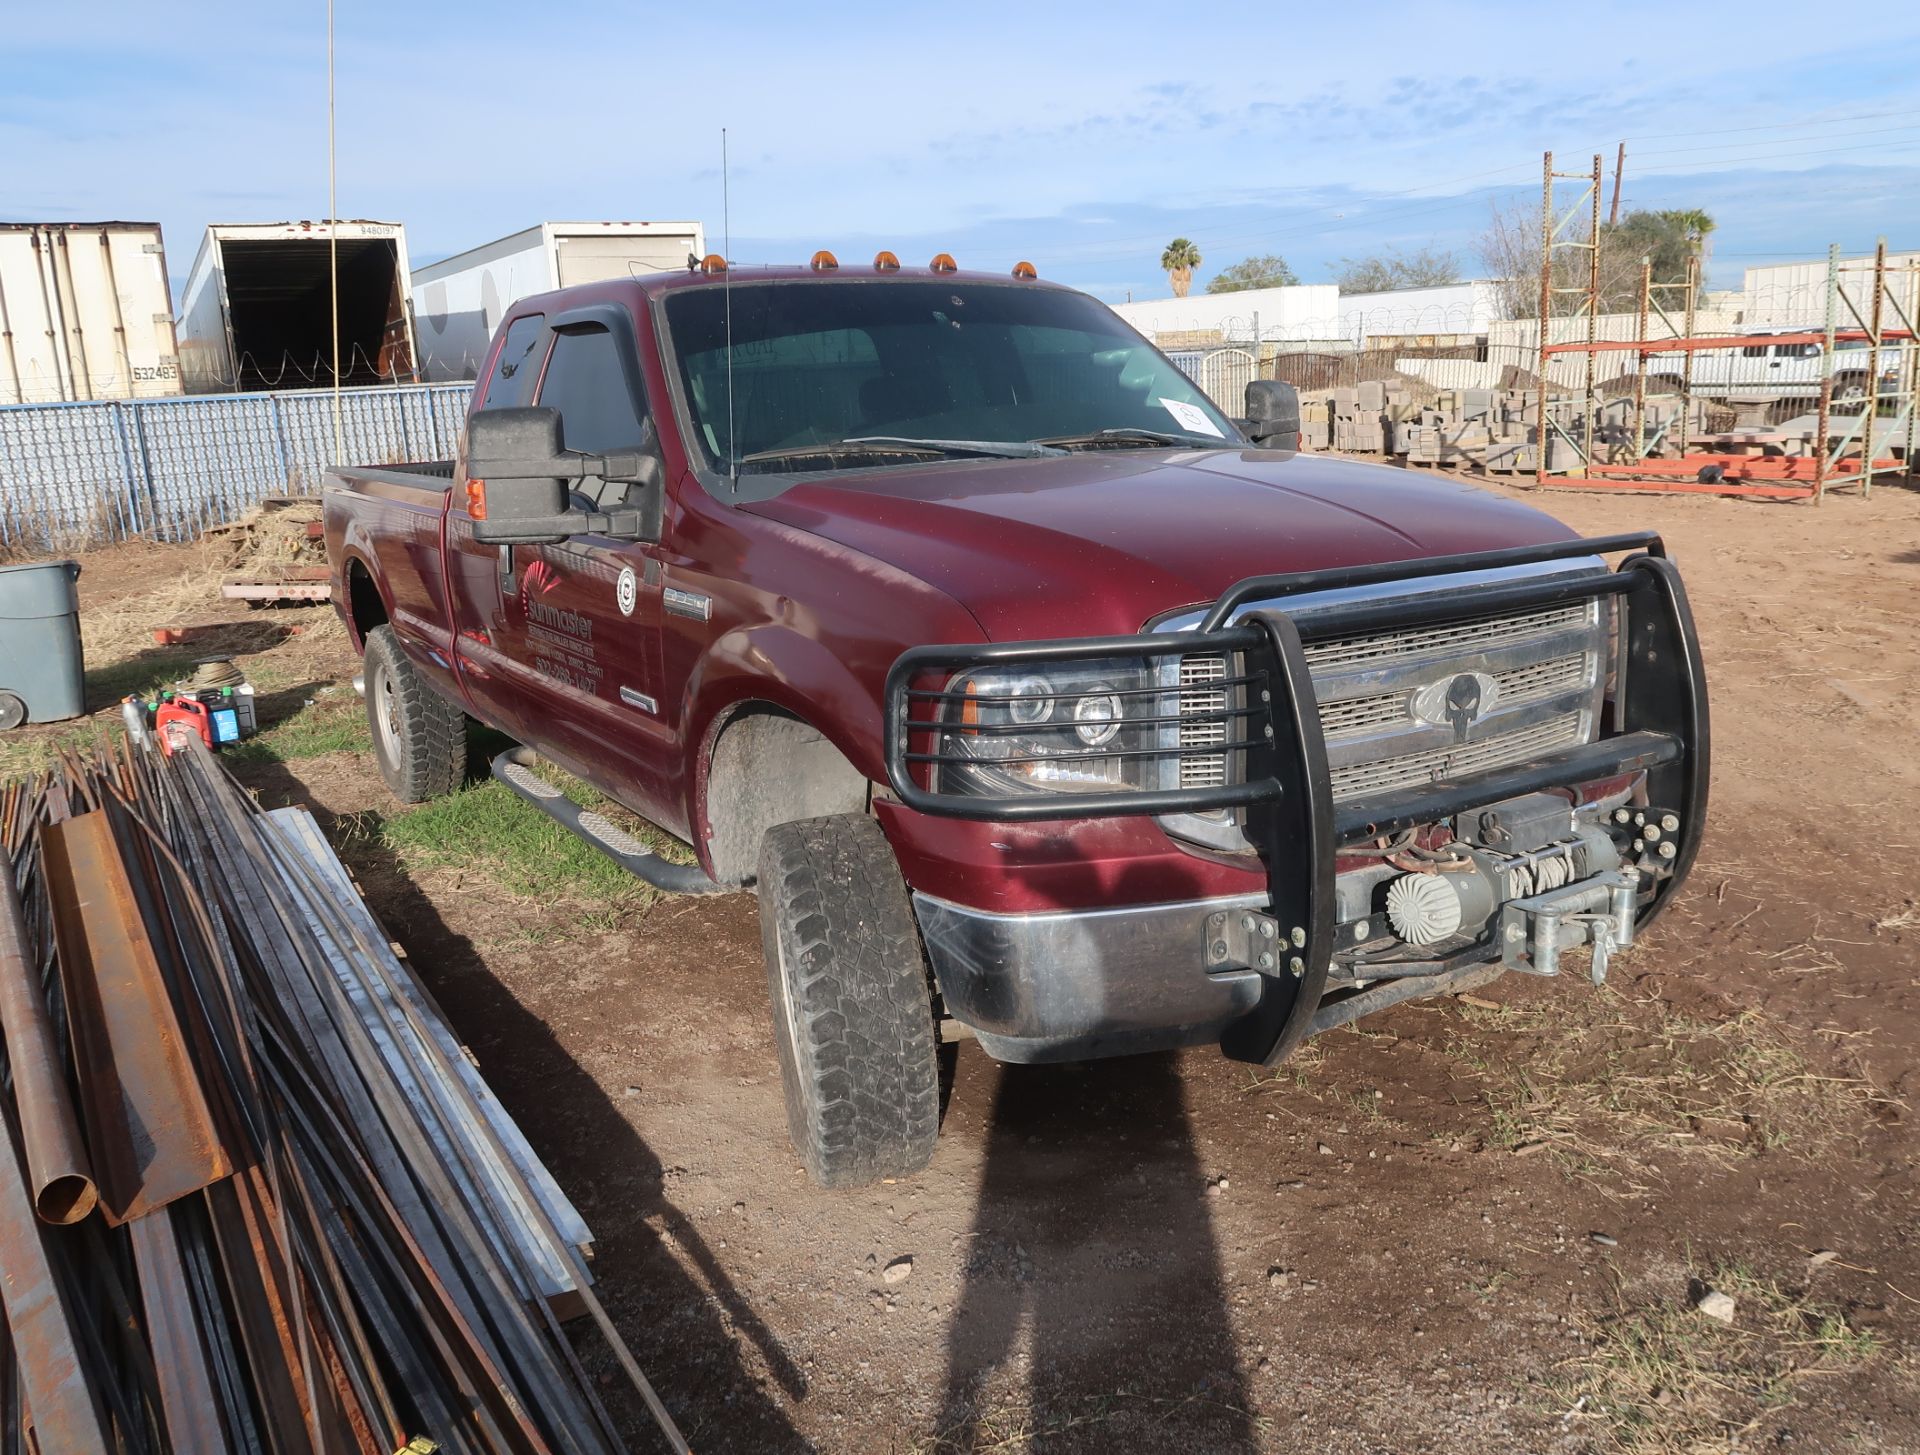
{"points": [[515, 370], [587, 384]]}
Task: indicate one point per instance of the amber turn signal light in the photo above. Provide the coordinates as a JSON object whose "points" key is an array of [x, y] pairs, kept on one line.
{"points": [[476, 499], [944, 263]]}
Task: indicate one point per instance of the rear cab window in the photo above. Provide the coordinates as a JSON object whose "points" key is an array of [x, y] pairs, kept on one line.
{"points": [[516, 366], [597, 389]]}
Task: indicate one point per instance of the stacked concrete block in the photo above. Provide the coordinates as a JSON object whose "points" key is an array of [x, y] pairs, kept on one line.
{"points": [[1316, 423]]}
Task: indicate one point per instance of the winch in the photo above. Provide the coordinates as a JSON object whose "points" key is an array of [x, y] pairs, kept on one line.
{"points": [[1542, 876]]}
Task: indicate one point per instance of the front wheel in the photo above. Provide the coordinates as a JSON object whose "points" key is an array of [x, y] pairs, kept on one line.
{"points": [[419, 738], [852, 1001]]}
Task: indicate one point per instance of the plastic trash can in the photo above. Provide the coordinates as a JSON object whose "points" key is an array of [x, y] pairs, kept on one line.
{"points": [[42, 671]]}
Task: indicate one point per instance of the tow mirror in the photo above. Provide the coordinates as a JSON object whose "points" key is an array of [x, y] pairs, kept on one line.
{"points": [[1273, 414], [520, 475]]}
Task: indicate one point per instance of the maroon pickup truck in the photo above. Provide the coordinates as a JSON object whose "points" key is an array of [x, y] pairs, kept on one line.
{"points": [[1040, 701]]}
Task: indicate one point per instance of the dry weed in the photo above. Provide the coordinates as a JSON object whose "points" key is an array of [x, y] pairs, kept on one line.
{"points": [[1662, 1378], [1606, 1090]]}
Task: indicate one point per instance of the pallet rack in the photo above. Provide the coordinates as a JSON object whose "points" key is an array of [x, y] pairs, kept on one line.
{"points": [[1885, 325]]}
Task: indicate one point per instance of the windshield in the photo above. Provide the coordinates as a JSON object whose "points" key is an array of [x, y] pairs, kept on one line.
{"points": [[902, 372]]}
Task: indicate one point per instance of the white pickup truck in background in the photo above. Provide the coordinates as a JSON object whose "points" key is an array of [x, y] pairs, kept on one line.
{"points": [[1769, 370]]}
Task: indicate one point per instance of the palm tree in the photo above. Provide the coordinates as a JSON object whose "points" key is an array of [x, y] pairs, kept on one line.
{"points": [[1180, 259], [1698, 226]]}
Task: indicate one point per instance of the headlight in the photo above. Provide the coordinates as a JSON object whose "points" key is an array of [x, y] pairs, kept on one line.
{"points": [[1071, 727]]}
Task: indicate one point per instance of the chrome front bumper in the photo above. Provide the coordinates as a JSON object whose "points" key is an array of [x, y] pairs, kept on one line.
{"points": [[1071, 985]]}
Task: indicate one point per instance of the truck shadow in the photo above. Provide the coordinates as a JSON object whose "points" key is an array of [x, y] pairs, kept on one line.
{"points": [[689, 1329], [1093, 1239]]}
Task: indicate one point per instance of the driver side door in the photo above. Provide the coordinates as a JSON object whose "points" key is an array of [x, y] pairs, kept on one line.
{"points": [[578, 635]]}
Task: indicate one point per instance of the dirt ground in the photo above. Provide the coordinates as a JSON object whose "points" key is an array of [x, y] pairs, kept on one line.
{"points": [[1470, 1225]]}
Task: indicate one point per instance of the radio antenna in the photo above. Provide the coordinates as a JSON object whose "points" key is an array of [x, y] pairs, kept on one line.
{"points": [[726, 292]]}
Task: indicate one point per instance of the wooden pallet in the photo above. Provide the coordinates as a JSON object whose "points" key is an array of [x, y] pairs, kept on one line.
{"points": [[292, 583]]}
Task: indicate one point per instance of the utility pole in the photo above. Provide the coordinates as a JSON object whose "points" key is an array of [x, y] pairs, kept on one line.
{"points": [[1619, 166]]}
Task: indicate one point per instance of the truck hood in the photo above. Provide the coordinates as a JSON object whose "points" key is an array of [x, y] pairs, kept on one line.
{"points": [[1096, 543]]}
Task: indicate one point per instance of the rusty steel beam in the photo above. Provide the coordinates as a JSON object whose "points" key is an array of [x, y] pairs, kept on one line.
{"points": [[66, 1419], [60, 1177], [148, 1122], [187, 1397]]}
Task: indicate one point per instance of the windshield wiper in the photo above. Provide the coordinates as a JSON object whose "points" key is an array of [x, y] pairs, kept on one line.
{"points": [[1146, 439], [995, 449], [886, 444]]}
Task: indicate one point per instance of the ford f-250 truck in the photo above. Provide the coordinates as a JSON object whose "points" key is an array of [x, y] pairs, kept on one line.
{"points": [[1039, 700]]}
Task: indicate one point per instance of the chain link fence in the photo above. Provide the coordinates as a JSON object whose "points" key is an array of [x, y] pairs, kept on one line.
{"points": [[80, 475]]}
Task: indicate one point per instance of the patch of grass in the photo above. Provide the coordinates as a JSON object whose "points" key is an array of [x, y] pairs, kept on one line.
{"points": [[332, 724], [1662, 1378], [491, 829], [27, 751]]}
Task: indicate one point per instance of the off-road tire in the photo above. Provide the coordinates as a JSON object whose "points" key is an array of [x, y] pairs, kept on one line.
{"points": [[852, 1001], [419, 738]]}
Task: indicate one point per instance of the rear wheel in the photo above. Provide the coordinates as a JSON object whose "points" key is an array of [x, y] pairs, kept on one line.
{"points": [[852, 1001], [419, 738]]}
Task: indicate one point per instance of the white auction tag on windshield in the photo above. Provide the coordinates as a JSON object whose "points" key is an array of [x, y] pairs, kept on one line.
{"points": [[1191, 417]]}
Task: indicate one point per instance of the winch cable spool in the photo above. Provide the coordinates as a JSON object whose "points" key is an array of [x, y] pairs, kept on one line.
{"points": [[1540, 876]]}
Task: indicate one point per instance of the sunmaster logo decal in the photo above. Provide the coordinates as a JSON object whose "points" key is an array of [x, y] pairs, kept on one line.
{"points": [[559, 639]]}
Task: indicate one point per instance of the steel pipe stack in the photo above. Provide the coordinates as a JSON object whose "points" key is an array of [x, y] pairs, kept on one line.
{"points": [[253, 1196]]}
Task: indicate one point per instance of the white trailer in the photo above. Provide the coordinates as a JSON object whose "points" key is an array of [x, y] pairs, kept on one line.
{"points": [[85, 313], [459, 301], [258, 310]]}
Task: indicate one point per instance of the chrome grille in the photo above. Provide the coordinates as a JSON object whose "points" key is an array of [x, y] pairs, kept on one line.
{"points": [[1547, 664], [1343, 654], [1413, 769], [1517, 685], [1202, 770]]}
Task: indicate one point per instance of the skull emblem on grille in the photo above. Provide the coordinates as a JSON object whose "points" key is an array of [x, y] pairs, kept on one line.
{"points": [[1457, 702]]}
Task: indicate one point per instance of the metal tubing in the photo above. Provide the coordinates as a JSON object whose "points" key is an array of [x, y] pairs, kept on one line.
{"points": [[1640, 371], [1827, 361], [61, 1179], [1686, 358], [1592, 309], [1546, 314], [1876, 330]]}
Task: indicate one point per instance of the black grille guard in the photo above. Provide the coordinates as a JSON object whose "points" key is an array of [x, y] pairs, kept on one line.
{"points": [[1659, 726]]}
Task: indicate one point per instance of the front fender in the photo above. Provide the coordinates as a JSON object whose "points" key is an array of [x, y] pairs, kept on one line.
{"points": [[777, 666]]}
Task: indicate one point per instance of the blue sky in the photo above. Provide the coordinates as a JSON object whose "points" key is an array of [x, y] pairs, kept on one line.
{"points": [[1081, 136]]}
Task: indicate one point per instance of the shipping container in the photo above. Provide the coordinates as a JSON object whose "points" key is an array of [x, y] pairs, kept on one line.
{"points": [[460, 300], [85, 313], [258, 311]]}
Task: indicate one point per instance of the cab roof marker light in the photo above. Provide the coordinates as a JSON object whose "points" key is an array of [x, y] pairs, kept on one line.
{"points": [[1025, 270], [885, 262], [824, 262], [944, 263], [713, 263]]}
